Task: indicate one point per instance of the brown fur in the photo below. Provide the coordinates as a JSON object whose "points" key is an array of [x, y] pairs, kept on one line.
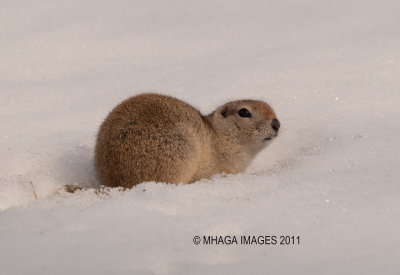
{"points": [[152, 137]]}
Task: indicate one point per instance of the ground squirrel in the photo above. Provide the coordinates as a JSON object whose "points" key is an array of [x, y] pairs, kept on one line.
{"points": [[153, 137]]}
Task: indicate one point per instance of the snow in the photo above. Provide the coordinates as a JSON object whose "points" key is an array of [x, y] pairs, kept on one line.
{"points": [[330, 69]]}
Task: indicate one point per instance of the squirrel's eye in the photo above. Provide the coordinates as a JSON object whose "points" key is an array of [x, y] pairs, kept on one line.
{"points": [[244, 113]]}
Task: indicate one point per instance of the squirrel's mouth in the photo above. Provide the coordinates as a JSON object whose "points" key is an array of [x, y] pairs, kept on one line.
{"points": [[271, 137]]}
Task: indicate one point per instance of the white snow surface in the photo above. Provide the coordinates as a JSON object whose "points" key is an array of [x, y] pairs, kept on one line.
{"points": [[331, 71]]}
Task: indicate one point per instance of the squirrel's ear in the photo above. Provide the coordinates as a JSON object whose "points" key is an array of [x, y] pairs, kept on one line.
{"points": [[224, 111], [221, 111]]}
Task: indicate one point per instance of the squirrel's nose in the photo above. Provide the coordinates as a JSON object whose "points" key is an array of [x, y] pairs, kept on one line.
{"points": [[275, 124]]}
